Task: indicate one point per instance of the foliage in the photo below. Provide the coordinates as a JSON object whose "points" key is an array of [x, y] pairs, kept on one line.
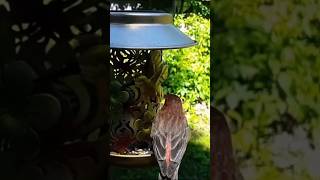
{"points": [[198, 7], [189, 68], [266, 77]]}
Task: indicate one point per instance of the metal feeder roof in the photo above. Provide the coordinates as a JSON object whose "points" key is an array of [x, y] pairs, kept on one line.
{"points": [[145, 30]]}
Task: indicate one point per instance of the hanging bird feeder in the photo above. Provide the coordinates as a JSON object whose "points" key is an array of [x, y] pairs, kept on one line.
{"points": [[137, 39]]}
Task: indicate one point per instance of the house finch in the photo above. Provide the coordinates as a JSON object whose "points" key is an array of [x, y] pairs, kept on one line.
{"points": [[223, 165], [170, 134]]}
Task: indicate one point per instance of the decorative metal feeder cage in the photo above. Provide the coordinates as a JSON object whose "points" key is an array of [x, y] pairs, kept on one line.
{"points": [[136, 43]]}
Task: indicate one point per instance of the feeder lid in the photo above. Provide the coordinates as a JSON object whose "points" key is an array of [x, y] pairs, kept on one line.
{"points": [[145, 30]]}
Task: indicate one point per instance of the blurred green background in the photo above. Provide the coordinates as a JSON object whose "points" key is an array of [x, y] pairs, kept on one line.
{"points": [[189, 78], [266, 80]]}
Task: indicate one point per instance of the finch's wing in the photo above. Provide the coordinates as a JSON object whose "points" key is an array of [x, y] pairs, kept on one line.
{"points": [[159, 144], [155, 125], [179, 142], [159, 140]]}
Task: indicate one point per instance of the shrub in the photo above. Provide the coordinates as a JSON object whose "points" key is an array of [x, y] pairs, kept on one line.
{"points": [[189, 68], [267, 82]]}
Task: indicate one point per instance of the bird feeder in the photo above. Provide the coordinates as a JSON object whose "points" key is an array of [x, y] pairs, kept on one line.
{"points": [[137, 39]]}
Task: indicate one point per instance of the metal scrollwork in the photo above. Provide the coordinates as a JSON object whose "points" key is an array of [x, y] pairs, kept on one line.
{"points": [[135, 96]]}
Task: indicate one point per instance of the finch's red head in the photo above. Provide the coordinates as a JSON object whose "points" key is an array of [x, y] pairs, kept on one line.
{"points": [[172, 103], [172, 97]]}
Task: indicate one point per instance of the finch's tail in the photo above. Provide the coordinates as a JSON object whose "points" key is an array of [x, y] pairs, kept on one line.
{"points": [[175, 176], [160, 177]]}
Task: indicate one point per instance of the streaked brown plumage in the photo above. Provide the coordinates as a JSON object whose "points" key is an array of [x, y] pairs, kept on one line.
{"points": [[223, 165], [170, 134]]}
